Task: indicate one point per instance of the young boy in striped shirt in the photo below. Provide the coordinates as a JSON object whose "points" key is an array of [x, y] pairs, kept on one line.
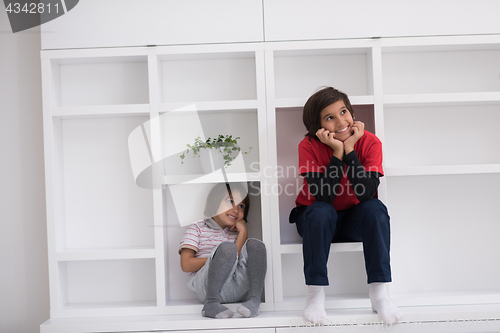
{"points": [[225, 266]]}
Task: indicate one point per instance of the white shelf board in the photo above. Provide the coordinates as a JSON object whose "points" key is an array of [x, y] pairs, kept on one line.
{"points": [[446, 298], [101, 110], [312, 47], [113, 53], [442, 170], [106, 309], [139, 308], [441, 99], [202, 51], [110, 305], [290, 102], [440, 43], [299, 102], [335, 247], [105, 254], [347, 301], [194, 306], [212, 105], [294, 303], [211, 178], [484, 317]]}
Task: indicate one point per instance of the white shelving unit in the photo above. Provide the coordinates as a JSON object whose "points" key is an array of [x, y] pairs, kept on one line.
{"points": [[447, 163], [113, 245], [436, 103]]}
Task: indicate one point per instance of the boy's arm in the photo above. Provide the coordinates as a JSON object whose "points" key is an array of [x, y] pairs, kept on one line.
{"points": [[322, 185], [242, 234], [189, 263], [321, 180], [365, 183]]}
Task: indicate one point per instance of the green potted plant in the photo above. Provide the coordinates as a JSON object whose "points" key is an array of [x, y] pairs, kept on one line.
{"points": [[215, 152]]}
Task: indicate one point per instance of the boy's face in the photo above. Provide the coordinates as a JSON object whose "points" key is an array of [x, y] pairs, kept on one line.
{"points": [[337, 118], [230, 211]]}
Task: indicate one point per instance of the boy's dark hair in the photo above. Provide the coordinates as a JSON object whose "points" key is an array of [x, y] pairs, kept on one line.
{"points": [[220, 191], [316, 103]]}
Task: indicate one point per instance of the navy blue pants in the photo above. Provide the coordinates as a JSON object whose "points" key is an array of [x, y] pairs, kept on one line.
{"points": [[320, 224]]}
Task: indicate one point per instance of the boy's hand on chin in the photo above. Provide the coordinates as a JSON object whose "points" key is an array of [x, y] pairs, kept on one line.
{"points": [[239, 226], [328, 138], [358, 129]]}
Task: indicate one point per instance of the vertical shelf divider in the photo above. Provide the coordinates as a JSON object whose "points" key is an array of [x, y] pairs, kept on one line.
{"points": [[50, 184], [264, 158], [376, 81], [272, 182], [160, 247]]}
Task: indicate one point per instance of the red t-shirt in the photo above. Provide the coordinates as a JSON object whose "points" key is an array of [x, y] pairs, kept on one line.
{"points": [[314, 156]]}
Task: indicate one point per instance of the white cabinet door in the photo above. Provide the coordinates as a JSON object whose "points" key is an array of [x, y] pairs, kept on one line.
{"points": [[326, 19], [112, 23]]}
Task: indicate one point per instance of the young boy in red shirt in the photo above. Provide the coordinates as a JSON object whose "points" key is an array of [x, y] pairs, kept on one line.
{"points": [[341, 164]]}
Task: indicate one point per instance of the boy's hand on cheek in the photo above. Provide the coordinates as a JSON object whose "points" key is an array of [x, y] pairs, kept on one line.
{"points": [[239, 226], [328, 138], [358, 129]]}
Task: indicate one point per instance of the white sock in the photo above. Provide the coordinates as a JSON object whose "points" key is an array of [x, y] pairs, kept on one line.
{"points": [[315, 305], [387, 311]]}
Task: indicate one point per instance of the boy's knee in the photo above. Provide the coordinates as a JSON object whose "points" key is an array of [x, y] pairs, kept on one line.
{"points": [[226, 249], [374, 206], [322, 211], [376, 212], [255, 246]]}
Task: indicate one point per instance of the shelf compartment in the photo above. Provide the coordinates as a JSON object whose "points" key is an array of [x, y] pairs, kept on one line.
{"points": [[99, 206], [106, 254], [180, 128], [452, 69], [434, 221], [104, 81], [346, 275], [290, 131], [177, 221], [418, 136], [97, 284], [224, 76], [298, 74]]}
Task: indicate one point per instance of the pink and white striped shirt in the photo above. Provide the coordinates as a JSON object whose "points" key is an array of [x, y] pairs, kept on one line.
{"points": [[203, 237]]}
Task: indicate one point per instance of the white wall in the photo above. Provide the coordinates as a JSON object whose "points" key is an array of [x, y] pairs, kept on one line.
{"points": [[24, 286]]}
